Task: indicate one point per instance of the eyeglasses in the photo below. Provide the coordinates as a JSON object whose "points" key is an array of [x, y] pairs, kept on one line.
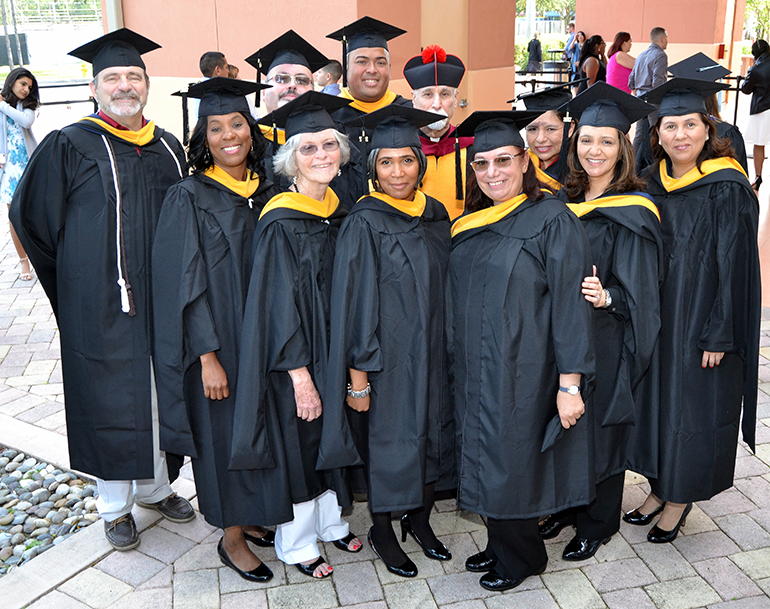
{"points": [[311, 149], [285, 79], [504, 160]]}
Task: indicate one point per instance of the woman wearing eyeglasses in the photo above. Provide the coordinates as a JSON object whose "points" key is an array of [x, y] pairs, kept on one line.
{"points": [[284, 346], [387, 343], [520, 348]]}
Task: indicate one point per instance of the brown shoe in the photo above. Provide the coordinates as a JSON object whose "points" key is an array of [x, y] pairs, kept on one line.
{"points": [[173, 508], [122, 533]]}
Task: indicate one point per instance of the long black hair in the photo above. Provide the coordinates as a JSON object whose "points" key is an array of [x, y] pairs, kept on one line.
{"points": [[589, 46], [32, 101], [199, 159], [476, 200]]}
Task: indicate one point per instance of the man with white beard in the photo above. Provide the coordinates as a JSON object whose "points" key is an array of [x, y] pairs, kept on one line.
{"points": [[86, 210], [434, 77]]}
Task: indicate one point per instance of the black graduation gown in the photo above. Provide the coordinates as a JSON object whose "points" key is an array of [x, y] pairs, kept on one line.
{"points": [[627, 250], [710, 300], [64, 213], [388, 320], [516, 319], [285, 327], [202, 265]]}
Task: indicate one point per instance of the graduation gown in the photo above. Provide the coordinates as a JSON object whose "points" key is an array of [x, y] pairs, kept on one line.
{"points": [[388, 320], [202, 265], [285, 327], [710, 300], [64, 211], [623, 231], [516, 320]]}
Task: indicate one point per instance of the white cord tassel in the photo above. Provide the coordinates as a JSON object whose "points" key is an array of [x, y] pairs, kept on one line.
{"points": [[124, 305]]}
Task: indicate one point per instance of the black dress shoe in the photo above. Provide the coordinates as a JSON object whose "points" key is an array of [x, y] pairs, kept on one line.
{"points": [[436, 554], [582, 549], [639, 519], [266, 541], [478, 563], [261, 574], [551, 527], [408, 569], [310, 569], [658, 535], [497, 583]]}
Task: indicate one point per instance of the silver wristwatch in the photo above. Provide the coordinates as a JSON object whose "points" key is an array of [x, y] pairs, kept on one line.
{"points": [[607, 299], [572, 389], [357, 395]]}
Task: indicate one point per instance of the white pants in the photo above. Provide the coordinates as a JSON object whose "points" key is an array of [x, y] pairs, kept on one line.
{"points": [[116, 497], [319, 518]]}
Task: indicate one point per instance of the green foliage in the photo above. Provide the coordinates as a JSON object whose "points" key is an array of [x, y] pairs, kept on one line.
{"points": [[547, 41], [565, 8], [760, 11]]}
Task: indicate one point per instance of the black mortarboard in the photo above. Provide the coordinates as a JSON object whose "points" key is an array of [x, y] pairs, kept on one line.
{"points": [[308, 113], [365, 33], [495, 129], [680, 96], [602, 105], [122, 47], [699, 67], [546, 99], [395, 126], [221, 95], [433, 68], [288, 48]]}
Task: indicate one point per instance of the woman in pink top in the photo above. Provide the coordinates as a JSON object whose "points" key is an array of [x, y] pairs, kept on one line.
{"points": [[620, 63]]}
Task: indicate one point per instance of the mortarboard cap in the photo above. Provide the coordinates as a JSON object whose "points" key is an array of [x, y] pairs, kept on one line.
{"points": [[122, 47], [365, 33], [546, 99], [396, 126], [699, 67], [287, 48], [602, 105], [680, 96], [433, 68], [222, 95], [495, 129], [308, 113]]}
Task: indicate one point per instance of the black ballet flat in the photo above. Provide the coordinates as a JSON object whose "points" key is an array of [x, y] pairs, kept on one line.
{"points": [[266, 541], [639, 519], [478, 563], [260, 575], [551, 527], [658, 535], [580, 548], [344, 543], [310, 569], [408, 569], [439, 554]]}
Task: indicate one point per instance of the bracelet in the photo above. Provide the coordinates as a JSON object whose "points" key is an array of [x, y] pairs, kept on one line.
{"points": [[607, 299], [357, 395]]}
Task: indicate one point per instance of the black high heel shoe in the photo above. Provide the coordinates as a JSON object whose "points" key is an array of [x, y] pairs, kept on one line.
{"points": [[658, 535], [408, 569], [440, 554], [261, 574], [757, 183], [266, 541], [639, 519]]}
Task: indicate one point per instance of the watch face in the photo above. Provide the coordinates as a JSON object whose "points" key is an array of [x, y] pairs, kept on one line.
{"points": [[574, 389]]}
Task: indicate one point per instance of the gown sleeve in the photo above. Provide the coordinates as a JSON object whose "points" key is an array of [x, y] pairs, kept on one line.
{"points": [[184, 325], [272, 340]]}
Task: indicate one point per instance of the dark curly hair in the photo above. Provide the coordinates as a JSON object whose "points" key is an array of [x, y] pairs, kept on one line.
{"points": [[623, 180], [198, 161], [476, 200], [714, 148], [32, 101]]}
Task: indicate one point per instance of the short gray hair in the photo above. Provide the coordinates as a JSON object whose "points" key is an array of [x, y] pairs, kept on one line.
{"points": [[285, 162]]}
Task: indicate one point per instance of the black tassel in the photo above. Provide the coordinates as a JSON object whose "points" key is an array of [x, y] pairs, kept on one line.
{"points": [[131, 305], [459, 195], [344, 61]]}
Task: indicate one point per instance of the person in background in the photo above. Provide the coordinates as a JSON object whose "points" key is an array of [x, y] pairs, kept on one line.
{"points": [[568, 46], [19, 101], [328, 77], [233, 71], [620, 63], [535, 51], [649, 71], [211, 65], [434, 76], [574, 56], [757, 84], [593, 65]]}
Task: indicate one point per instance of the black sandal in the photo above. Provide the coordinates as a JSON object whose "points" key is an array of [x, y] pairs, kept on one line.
{"points": [[310, 569], [344, 543], [757, 183]]}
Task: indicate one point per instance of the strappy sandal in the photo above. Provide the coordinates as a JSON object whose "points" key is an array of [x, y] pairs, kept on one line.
{"points": [[344, 543], [25, 276], [309, 570]]}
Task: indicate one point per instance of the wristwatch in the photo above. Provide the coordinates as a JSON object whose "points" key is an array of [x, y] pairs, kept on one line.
{"points": [[357, 395], [572, 389], [607, 299]]}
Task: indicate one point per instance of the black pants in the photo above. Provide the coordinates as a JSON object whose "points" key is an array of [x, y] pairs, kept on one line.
{"points": [[599, 519], [517, 547]]}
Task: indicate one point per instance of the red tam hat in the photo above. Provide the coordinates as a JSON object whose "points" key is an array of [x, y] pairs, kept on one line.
{"points": [[434, 67]]}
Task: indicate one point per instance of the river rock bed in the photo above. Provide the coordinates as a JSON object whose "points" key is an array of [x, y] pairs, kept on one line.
{"points": [[41, 505]]}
